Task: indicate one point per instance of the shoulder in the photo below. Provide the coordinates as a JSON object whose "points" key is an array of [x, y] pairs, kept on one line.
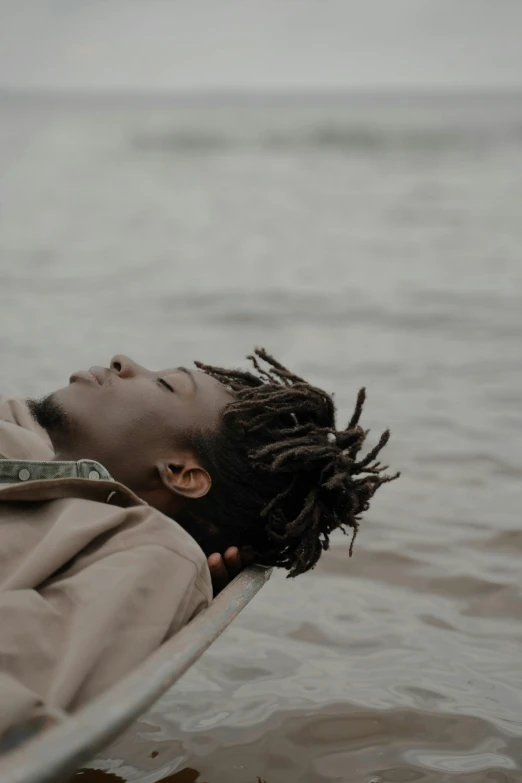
{"points": [[145, 525], [131, 527], [42, 529], [150, 541]]}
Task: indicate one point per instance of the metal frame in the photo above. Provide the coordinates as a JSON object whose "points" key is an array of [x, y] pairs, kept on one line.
{"points": [[54, 755]]}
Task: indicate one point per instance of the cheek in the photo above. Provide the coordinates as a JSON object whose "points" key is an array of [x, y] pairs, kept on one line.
{"points": [[118, 418], [129, 440], [136, 421]]}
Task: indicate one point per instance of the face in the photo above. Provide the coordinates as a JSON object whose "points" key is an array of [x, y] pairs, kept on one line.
{"points": [[137, 422]]}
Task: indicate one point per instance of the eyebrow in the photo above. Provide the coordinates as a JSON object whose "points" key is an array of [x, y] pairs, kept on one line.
{"points": [[190, 375]]}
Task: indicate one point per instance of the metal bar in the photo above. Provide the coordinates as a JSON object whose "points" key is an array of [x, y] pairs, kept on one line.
{"points": [[54, 756]]}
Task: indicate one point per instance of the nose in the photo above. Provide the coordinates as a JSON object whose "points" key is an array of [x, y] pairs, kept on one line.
{"points": [[125, 367]]}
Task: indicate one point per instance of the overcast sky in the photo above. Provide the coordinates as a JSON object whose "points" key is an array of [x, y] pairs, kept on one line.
{"points": [[269, 45]]}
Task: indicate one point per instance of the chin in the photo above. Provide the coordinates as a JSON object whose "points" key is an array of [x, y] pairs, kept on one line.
{"points": [[49, 413], [77, 407]]}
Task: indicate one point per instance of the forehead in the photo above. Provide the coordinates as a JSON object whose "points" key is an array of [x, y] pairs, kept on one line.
{"points": [[203, 388], [206, 384]]}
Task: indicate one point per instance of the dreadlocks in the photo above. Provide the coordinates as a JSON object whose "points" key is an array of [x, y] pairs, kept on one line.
{"points": [[283, 477]]}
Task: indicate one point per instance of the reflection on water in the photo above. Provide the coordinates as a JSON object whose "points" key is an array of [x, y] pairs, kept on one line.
{"points": [[371, 244]]}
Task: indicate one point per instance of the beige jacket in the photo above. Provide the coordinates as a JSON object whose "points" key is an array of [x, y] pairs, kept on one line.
{"points": [[92, 580]]}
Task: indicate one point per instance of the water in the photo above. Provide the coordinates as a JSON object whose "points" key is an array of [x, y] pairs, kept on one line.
{"points": [[376, 243]]}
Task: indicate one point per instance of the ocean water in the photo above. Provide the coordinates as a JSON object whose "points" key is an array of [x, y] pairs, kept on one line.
{"points": [[364, 242]]}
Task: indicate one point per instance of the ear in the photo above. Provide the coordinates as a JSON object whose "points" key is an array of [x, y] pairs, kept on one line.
{"points": [[184, 476]]}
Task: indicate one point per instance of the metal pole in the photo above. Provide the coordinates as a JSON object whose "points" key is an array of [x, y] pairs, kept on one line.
{"points": [[53, 757]]}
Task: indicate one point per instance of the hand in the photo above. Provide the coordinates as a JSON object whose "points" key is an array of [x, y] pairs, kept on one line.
{"points": [[223, 568]]}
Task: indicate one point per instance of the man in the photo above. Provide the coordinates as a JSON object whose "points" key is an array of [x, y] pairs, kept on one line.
{"points": [[94, 572]]}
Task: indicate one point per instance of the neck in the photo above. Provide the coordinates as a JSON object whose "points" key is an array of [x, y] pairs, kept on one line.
{"points": [[63, 450]]}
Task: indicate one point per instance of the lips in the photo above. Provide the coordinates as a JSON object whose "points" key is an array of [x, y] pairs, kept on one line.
{"points": [[84, 376], [96, 376], [101, 374]]}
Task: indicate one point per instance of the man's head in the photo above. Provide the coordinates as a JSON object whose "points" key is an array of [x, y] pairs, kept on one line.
{"points": [[238, 458]]}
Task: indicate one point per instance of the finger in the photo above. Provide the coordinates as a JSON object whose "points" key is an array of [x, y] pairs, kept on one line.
{"points": [[218, 572], [233, 562]]}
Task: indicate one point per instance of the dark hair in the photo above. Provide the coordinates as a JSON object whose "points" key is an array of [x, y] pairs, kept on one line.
{"points": [[283, 477]]}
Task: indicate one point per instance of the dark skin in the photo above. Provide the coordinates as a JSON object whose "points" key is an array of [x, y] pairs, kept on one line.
{"points": [[136, 423]]}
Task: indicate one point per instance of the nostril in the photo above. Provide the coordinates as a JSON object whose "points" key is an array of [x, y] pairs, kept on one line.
{"points": [[123, 366]]}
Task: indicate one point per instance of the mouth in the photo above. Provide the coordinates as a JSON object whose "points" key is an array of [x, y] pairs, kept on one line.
{"points": [[96, 376], [100, 374], [84, 376]]}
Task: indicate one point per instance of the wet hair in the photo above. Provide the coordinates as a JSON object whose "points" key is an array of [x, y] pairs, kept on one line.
{"points": [[283, 477]]}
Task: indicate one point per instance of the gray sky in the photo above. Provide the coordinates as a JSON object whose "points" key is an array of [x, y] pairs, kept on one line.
{"points": [[176, 45]]}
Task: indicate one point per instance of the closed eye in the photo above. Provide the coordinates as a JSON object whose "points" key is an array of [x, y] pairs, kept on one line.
{"points": [[167, 385]]}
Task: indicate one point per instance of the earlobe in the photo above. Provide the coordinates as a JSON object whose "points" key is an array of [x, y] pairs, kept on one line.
{"points": [[185, 478]]}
